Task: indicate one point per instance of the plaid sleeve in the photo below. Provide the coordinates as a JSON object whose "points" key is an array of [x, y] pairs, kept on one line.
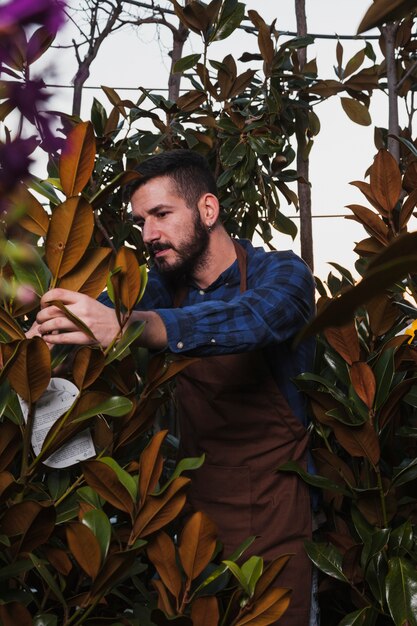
{"points": [[278, 302]]}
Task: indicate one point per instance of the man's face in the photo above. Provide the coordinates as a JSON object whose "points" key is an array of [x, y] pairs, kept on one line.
{"points": [[174, 234]]}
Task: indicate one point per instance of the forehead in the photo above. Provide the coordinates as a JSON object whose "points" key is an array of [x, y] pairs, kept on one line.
{"points": [[158, 191]]}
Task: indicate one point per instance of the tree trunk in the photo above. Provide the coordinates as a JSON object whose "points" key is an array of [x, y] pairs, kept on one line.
{"points": [[389, 32], [179, 38], [304, 189]]}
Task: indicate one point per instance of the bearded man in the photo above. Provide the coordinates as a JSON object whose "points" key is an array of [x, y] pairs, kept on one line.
{"points": [[239, 309]]}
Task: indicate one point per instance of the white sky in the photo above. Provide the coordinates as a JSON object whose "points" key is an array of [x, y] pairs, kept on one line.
{"points": [[342, 151]]}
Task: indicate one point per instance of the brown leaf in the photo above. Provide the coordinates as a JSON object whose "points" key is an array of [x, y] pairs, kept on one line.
{"points": [[13, 614], [326, 88], [359, 441], [191, 100], [369, 504], [269, 575], [87, 366], [84, 547], [77, 160], [129, 278], [90, 274], [159, 510], [150, 465], [392, 403], [35, 219], [267, 609], [344, 339], [241, 82], [368, 247], [371, 222], [161, 552], [9, 326], [385, 11], [385, 179], [364, 383], [382, 314], [407, 209], [205, 611], [10, 442], [266, 46], [59, 559], [103, 479], [354, 63], [28, 524], [340, 471], [69, 234], [164, 601], [30, 372], [114, 568], [356, 111], [197, 544], [365, 188]]}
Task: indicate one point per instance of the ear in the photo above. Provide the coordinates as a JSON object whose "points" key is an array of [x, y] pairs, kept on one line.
{"points": [[209, 208]]}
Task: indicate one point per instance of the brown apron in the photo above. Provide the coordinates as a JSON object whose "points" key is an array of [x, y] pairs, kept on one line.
{"points": [[231, 409]]}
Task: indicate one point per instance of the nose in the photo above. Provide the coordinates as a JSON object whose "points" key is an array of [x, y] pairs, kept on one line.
{"points": [[150, 232]]}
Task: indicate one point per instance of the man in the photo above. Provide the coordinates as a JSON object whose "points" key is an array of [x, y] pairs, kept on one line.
{"points": [[238, 308]]}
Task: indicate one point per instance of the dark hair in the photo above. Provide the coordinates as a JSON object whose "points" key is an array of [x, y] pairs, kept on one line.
{"points": [[188, 170]]}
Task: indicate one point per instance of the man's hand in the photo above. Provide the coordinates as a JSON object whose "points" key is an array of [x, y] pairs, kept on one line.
{"points": [[56, 328]]}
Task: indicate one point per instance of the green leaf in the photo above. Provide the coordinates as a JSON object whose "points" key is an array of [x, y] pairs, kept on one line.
{"points": [[361, 617], [48, 578], [228, 22], [87, 494], [15, 569], [124, 477], [35, 273], [98, 522], [45, 189], [401, 591], [312, 479], [231, 152], [238, 574], [185, 465], [409, 145], [45, 619], [327, 559], [384, 371], [405, 474], [116, 406], [129, 336], [58, 483], [284, 225], [401, 539], [252, 570], [186, 63]]}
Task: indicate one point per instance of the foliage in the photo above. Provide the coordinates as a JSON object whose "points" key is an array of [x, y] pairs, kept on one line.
{"points": [[363, 398]]}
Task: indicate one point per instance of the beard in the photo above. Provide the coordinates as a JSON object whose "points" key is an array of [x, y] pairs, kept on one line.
{"points": [[191, 252]]}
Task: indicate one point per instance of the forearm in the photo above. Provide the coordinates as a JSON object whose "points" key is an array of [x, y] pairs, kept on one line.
{"points": [[154, 334]]}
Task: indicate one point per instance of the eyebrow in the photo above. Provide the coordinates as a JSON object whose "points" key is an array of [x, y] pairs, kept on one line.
{"points": [[152, 211]]}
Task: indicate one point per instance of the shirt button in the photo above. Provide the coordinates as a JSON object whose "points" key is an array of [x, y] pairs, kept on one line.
{"points": [[180, 345], [201, 292], [212, 340]]}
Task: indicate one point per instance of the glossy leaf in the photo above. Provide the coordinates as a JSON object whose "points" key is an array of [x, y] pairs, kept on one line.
{"points": [[104, 480], [116, 567], [87, 366], [9, 329], [345, 341], [34, 219], [130, 335], [84, 547], [205, 611], [30, 372], [34, 274], [150, 465], [385, 180], [270, 606], [184, 465], [327, 559], [186, 63], [360, 617], [197, 544], [363, 381], [401, 590], [312, 479], [69, 235], [371, 221], [252, 570], [161, 552], [77, 159], [124, 477], [129, 277], [356, 111], [98, 522], [29, 523], [158, 511], [90, 274]]}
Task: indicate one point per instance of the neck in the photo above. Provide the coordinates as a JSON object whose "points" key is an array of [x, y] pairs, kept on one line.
{"points": [[219, 256]]}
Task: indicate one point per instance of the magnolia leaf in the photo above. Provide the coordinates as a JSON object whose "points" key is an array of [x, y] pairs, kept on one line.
{"points": [[269, 608], [372, 222], [129, 276], [184, 465], [34, 219], [356, 111], [74, 319], [30, 523], [150, 465], [270, 573], [42, 569], [115, 406], [34, 274], [197, 544], [229, 21], [186, 63], [9, 329], [344, 339], [327, 559], [69, 234], [130, 335], [401, 591], [385, 180], [30, 372], [205, 611], [252, 570], [12, 613], [191, 100], [160, 510], [116, 567], [98, 522], [77, 160], [360, 617], [385, 11], [363, 381], [84, 547], [90, 274], [161, 552], [124, 477], [104, 480], [237, 573], [354, 63], [312, 479], [87, 366]]}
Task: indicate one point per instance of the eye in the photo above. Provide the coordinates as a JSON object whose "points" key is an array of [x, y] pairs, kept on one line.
{"points": [[162, 214]]}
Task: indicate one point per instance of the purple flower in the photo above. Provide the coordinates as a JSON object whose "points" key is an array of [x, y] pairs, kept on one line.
{"points": [[14, 165], [48, 13]]}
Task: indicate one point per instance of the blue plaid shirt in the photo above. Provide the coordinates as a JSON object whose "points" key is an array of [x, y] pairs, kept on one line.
{"points": [[220, 320]]}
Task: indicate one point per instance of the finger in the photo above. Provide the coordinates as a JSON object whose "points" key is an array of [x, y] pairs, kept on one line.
{"points": [[64, 295], [50, 312], [75, 338], [57, 324]]}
